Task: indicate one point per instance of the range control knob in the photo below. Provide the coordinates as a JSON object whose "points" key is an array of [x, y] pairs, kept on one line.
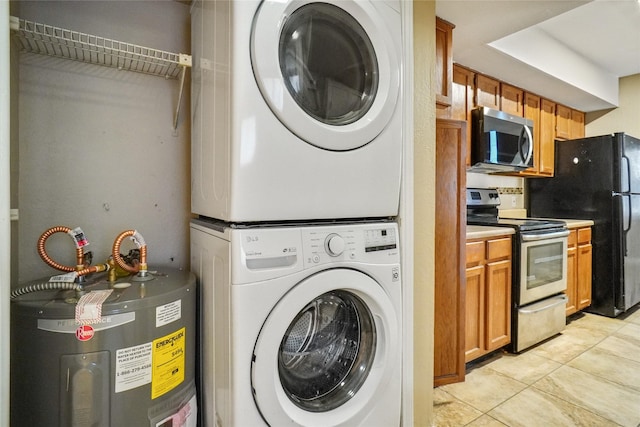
{"points": [[334, 244]]}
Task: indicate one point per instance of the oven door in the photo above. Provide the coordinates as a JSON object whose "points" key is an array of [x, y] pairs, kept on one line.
{"points": [[543, 265]]}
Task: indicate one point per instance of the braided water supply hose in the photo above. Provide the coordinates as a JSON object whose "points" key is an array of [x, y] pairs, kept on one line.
{"points": [[46, 286]]}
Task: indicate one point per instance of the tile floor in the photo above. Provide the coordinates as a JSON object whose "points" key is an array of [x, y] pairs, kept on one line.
{"points": [[587, 376]]}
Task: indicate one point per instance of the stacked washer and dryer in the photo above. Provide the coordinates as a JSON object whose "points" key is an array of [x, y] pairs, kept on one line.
{"points": [[296, 170]]}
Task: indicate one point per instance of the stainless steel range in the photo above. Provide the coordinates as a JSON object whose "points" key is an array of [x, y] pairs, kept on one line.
{"points": [[539, 269]]}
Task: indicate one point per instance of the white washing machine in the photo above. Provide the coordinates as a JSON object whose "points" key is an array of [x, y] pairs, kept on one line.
{"points": [[302, 326], [296, 109]]}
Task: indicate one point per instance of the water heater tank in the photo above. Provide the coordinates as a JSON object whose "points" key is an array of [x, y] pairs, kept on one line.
{"points": [[126, 361]]}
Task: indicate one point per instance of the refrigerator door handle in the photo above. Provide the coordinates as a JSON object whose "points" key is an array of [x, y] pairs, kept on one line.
{"points": [[625, 175], [626, 212]]}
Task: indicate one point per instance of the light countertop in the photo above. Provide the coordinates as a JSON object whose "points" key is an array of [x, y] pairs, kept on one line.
{"points": [[482, 231]]}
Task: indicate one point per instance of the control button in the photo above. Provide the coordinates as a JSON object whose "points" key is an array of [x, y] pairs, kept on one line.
{"points": [[316, 258], [334, 244]]}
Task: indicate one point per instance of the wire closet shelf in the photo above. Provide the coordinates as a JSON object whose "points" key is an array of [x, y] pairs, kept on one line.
{"points": [[63, 43]]}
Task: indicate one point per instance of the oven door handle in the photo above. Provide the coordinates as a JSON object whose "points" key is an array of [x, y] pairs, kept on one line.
{"points": [[543, 236]]}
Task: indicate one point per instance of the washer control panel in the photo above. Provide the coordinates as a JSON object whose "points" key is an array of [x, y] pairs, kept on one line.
{"points": [[362, 243], [269, 252]]}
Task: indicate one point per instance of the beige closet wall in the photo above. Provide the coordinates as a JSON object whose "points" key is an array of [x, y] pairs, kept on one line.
{"points": [[424, 212]]}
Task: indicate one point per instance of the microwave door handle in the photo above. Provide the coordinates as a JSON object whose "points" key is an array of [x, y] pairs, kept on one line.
{"points": [[529, 137]]}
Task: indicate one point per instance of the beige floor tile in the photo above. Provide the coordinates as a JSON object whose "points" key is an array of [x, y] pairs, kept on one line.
{"points": [[484, 388], [526, 367], [595, 322], [621, 346], [535, 408], [585, 334], [609, 400], [485, 421], [631, 332], [561, 348], [450, 412], [611, 367]]}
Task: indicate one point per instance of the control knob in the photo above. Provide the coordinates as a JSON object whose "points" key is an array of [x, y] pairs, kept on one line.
{"points": [[334, 244]]}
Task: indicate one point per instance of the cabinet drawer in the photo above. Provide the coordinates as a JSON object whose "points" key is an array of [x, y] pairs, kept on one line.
{"points": [[475, 252], [499, 248], [584, 235], [573, 238]]}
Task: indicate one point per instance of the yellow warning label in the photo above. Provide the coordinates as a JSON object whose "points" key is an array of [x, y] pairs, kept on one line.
{"points": [[168, 363]]}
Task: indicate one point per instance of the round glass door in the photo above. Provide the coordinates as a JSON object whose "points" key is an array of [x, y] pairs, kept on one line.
{"points": [[328, 71], [327, 352], [328, 64]]}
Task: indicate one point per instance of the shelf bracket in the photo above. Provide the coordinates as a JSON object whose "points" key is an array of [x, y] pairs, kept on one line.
{"points": [[185, 62]]}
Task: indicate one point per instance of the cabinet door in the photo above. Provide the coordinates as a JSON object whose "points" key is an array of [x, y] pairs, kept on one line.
{"points": [[572, 289], [450, 240], [474, 313], [577, 124], [563, 122], [511, 100], [462, 101], [487, 92], [443, 65], [532, 112], [498, 304], [584, 276], [547, 134]]}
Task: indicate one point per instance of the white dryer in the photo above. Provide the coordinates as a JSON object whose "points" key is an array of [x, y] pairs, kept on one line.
{"points": [[296, 109], [302, 326]]}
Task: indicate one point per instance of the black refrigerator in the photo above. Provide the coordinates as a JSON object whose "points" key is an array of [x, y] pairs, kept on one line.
{"points": [[598, 178]]}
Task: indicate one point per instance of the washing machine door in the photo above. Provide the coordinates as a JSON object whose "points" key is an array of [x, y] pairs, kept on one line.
{"points": [[326, 351], [329, 71]]}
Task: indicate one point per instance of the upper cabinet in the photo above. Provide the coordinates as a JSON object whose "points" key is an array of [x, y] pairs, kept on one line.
{"points": [[487, 92], [551, 121], [569, 123], [462, 101], [443, 67], [511, 100]]}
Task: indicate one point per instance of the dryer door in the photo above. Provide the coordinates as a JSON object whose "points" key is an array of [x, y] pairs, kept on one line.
{"points": [[329, 72], [325, 351]]}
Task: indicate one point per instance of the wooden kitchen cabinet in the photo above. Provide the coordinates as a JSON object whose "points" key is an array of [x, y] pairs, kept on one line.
{"points": [[450, 237], [488, 296], [511, 100], [462, 101], [563, 122], [579, 268], [542, 113], [546, 132], [487, 92], [576, 125], [443, 67]]}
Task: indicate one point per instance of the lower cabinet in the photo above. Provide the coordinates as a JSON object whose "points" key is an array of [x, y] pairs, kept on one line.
{"points": [[488, 296], [579, 254]]}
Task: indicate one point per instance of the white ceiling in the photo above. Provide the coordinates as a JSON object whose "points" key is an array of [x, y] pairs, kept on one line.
{"points": [[571, 51]]}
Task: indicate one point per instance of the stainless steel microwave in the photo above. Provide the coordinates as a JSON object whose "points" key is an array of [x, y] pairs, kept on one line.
{"points": [[500, 142]]}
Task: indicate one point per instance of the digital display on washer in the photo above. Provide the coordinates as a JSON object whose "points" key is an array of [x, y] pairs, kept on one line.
{"points": [[382, 239]]}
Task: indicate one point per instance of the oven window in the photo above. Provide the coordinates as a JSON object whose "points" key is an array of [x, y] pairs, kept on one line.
{"points": [[544, 264]]}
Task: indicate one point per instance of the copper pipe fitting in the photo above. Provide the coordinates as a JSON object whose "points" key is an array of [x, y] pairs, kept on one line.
{"points": [[49, 261], [139, 241]]}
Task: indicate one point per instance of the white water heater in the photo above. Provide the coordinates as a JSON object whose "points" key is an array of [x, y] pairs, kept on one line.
{"points": [[131, 364]]}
